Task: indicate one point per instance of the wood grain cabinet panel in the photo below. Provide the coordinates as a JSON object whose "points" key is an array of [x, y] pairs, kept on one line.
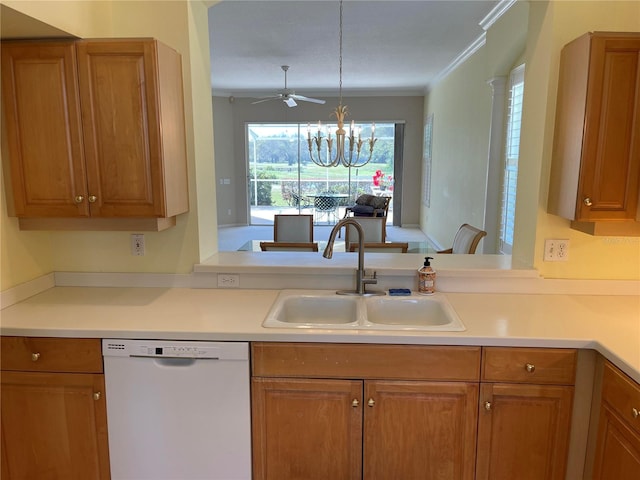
{"points": [[595, 173], [524, 420], [352, 425], [618, 442], [53, 424], [95, 129]]}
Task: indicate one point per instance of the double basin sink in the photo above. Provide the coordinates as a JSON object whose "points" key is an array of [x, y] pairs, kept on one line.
{"points": [[326, 310]]}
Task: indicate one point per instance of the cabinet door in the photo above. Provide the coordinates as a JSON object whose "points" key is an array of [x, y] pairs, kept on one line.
{"points": [[611, 144], [306, 429], [423, 430], [120, 112], [54, 426], [523, 431], [43, 128], [618, 449]]}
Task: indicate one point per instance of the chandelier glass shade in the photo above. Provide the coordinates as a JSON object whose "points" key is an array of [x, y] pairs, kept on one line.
{"points": [[348, 148]]}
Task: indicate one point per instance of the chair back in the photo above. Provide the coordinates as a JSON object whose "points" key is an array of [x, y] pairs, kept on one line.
{"points": [[292, 228], [289, 246], [373, 228], [467, 239], [388, 247]]}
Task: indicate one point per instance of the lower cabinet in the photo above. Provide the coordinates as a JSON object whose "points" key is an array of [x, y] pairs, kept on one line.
{"points": [[526, 399], [617, 453], [53, 411], [383, 411], [364, 427]]}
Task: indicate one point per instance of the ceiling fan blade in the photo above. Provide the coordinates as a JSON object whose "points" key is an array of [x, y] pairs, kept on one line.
{"points": [[290, 102], [308, 99], [266, 99]]}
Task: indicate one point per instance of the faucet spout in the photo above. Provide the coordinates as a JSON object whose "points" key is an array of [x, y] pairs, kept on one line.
{"points": [[361, 279]]}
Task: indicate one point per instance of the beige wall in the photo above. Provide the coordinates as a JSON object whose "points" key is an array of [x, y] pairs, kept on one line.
{"points": [[461, 104], [229, 124], [551, 27], [183, 26]]}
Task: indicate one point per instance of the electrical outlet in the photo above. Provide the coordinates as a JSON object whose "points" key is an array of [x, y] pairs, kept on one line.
{"points": [[228, 280], [137, 244], [556, 250]]}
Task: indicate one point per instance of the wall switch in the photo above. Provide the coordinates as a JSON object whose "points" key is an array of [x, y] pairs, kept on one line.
{"points": [[228, 280], [556, 250], [137, 244]]}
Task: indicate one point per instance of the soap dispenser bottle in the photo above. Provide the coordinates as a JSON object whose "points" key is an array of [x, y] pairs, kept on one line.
{"points": [[426, 278]]}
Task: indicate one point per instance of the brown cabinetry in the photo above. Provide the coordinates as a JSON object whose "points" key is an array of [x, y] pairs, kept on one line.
{"points": [[595, 173], [95, 131], [52, 408], [526, 398], [364, 411], [617, 452]]}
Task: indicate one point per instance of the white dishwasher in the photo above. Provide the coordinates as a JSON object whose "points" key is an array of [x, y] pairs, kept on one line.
{"points": [[178, 410]]}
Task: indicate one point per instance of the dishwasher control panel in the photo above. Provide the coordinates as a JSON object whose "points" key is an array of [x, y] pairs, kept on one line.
{"points": [[173, 349]]}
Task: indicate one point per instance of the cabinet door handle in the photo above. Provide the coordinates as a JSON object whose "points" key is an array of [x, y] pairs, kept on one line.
{"points": [[371, 402], [355, 403], [78, 198], [587, 201], [530, 367], [487, 406], [35, 357], [635, 413], [97, 395], [92, 198]]}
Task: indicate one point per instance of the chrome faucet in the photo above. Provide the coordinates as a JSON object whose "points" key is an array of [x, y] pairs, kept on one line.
{"points": [[361, 279]]}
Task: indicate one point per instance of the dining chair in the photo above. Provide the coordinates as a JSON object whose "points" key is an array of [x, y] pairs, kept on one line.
{"points": [[373, 228], [292, 228], [388, 247], [466, 240], [289, 246]]}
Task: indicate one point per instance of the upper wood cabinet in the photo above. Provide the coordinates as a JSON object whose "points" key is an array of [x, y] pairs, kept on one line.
{"points": [[595, 170], [95, 129]]}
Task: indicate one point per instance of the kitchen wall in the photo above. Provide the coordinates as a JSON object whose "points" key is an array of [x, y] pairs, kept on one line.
{"points": [[183, 26], [230, 117], [550, 26]]}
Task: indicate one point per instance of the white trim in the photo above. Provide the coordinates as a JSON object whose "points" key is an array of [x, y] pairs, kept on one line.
{"points": [[84, 279], [25, 290], [462, 57], [494, 15]]}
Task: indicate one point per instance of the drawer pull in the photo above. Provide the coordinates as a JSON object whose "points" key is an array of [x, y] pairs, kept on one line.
{"points": [[35, 357], [530, 367], [635, 413], [587, 201], [97, 395], [487, 406], [371, 402], [355, 403]]}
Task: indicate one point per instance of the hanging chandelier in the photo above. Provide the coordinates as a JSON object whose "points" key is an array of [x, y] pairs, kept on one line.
{"points": [[349, 157]]}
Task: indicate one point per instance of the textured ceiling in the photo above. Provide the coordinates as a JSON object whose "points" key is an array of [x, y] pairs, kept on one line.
{"points": [[389, 47]]}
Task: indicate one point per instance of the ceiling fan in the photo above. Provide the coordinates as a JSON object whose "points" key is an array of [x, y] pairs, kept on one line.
{"points": [[287, 95]]}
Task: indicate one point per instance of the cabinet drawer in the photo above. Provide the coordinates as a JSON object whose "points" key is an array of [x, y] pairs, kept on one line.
{"points": [[326, 360], [51, 354], [622, 394], [529, 365]]}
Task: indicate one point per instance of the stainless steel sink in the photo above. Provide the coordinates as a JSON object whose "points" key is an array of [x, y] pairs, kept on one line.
{"points": [[325, 310]]}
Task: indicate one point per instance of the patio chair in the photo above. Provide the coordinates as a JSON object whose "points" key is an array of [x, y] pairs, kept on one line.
{"points": [[326, 206], [289, 246], [292, 228], [466, 240]]}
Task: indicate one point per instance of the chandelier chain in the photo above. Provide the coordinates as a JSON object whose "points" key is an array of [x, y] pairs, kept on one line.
{"points": [[340, 55]]}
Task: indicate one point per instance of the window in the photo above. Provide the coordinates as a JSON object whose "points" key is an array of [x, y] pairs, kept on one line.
{"points": [[512, 153], [282, 176]]}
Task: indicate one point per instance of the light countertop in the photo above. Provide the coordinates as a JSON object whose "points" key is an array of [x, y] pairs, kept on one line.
{"points": [[608, 324]]}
